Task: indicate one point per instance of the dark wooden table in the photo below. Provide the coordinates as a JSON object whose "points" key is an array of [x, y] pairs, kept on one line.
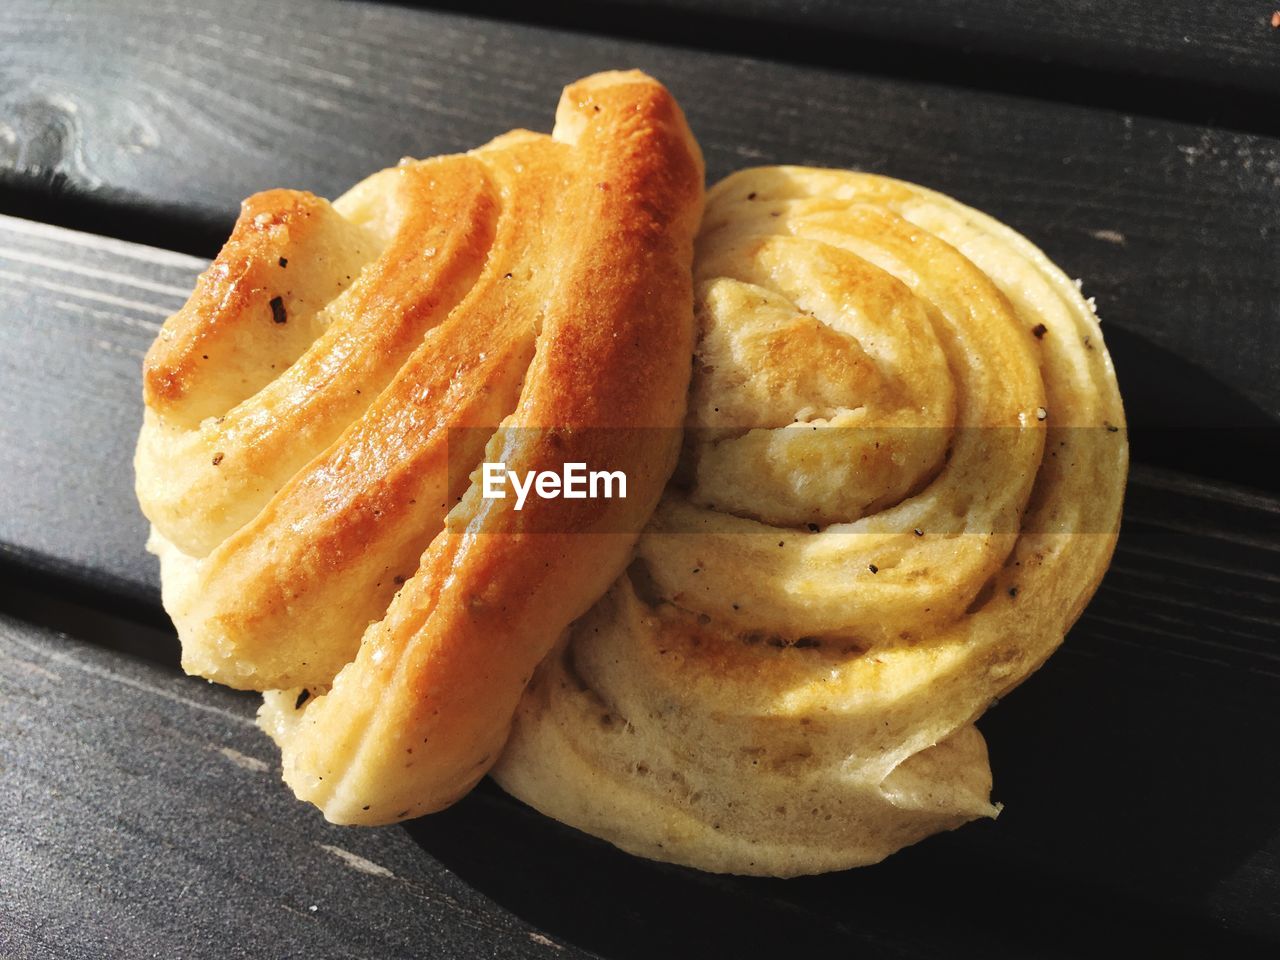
{"points": [[141, 812]]}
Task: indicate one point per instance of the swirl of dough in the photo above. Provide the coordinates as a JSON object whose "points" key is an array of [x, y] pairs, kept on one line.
{"points": [[901, 483], [309, 408]]}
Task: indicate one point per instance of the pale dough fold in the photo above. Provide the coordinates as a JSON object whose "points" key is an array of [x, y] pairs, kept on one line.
{"points": [[901, 484]]}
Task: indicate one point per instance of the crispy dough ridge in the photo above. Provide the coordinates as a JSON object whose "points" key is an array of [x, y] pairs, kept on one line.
{"points": [[308, 408]]}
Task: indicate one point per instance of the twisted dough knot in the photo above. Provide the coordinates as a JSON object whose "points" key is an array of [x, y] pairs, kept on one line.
{"points": [[901, 482], [304, 409]]}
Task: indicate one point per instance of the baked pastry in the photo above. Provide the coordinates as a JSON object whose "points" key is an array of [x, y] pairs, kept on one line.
{"points": [[318, 406], [901, 483]]}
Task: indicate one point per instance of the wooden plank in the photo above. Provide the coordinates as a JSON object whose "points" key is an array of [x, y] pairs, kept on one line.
{"points": [[1224, 45], [78, 314], [141, 815], [180, 114], [1116, 761]]}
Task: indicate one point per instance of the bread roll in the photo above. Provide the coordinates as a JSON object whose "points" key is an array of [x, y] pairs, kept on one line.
{"points": [[318, 406], [901, 483]]}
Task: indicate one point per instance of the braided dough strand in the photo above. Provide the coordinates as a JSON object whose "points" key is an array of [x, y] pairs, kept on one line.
{"points": [[901, 483], [532, 297]]}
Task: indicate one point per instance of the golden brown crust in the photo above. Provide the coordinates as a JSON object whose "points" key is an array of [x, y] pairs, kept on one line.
{"points": [[227, 312], [555, 292], [262, 408]]}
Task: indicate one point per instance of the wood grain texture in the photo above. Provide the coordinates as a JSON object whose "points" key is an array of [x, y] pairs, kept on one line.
{"points": [[141, 814], [1224, 44], [185, 111], [1132, 766], [77, 313]]}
